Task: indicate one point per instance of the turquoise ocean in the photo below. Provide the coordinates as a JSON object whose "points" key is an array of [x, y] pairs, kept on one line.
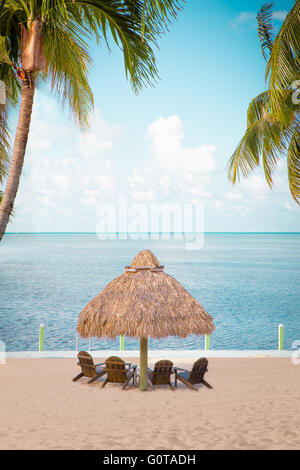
{"points": [[249, 283]]}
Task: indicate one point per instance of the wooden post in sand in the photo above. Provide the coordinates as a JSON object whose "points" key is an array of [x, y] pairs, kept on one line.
{"points": [[143, 363]]}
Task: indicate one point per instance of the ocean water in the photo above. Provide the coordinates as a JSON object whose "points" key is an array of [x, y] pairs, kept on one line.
{"points": [[249, 283]]}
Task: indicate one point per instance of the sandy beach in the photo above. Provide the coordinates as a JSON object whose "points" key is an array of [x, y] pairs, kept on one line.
{"points": [[255, 404]]}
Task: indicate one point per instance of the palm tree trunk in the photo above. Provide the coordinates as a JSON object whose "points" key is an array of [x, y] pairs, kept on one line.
{"points": [[17, 161]]}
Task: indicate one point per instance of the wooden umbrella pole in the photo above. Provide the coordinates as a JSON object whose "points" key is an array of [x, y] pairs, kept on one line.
{"points": [[143, 363]]}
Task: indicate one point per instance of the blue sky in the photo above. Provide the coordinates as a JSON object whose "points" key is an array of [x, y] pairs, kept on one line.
{"points": [[170, 144]]}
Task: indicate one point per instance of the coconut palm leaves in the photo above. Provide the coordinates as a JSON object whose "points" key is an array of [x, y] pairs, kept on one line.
{"points": [[51, 38], [293, 160], [284, 64], [273, 123], [68, 61], [9, 90], [265, 28], [4, 143], [262, 142], [68, 27]]}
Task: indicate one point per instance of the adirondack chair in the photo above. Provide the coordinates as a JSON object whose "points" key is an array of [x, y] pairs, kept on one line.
{"points": [[195, 376], [88, 368], [161, 375], [116, 371]]}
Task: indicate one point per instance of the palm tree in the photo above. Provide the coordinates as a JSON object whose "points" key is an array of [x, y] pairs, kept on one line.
{"points": [[49, 38], [273, 118]]}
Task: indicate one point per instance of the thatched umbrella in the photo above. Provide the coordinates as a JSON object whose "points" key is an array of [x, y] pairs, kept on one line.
{"points": [[144, 301]]}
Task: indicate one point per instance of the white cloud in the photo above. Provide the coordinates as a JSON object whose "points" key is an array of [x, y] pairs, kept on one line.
{"points": [[245, 17], [169, 153], [256, 186], [249, 17], [68, 172], [233, 196], [217, 204], [291, 208], [174, 170], [280, 15], [100, 138], [67, 175]]}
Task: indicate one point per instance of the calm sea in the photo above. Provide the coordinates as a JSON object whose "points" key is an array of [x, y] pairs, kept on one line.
{"points": [[249, 283]]}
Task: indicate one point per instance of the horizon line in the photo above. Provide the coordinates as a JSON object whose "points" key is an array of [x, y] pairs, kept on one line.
{"points": [[142, 233]]}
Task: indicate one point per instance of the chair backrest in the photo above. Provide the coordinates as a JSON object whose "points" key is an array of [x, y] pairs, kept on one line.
{"points": [[198, 371], [162, 372], [87, 364], [115, 369]]}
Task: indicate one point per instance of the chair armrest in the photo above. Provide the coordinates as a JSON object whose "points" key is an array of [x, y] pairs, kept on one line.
{"points": [[100, 364], [132, 367], [179, 368], [128, 364]]}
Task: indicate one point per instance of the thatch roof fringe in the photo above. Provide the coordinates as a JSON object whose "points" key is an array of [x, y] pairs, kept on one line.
{"points": [[145, 302]]}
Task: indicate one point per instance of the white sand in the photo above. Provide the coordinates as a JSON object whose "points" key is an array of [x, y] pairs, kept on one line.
{"points": [[255, 404]]}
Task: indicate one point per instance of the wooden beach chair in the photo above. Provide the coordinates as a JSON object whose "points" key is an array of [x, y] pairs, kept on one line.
{"points": [[88, 368], [117, 372], [161, 375], [193, 377]]}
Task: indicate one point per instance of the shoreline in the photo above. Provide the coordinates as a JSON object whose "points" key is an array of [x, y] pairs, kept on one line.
{"points": [[154, 353]]}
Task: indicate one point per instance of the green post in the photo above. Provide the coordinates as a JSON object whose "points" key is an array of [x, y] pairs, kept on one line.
{"points": [[207, 342], [122, 343], [280, 337], [41, 338], [143, 364]]}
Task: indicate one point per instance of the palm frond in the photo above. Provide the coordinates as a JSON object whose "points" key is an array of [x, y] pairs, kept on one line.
{"points": [[8, 76], [246, 156], [122, 22], [68, 26], [12, 92], [158, 14], [265, 28], [68, 61], [259, 107], [263, 139], [12, 212], [4, 143], [283, 67], [293, 163], [134, 26], [273, 147], [273, 116]]}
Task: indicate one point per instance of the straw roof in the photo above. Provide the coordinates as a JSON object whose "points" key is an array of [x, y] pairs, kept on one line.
{"points": [[144, 301]]}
